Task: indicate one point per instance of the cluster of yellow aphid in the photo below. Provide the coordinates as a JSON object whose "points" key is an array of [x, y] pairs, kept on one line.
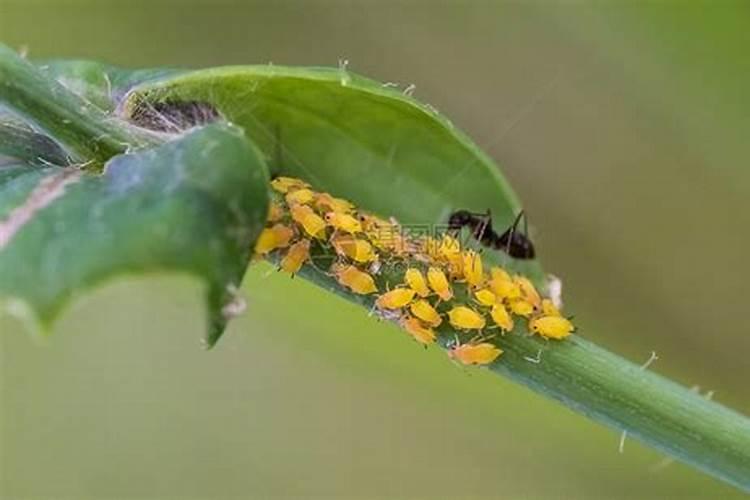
{"points": [[433, 266]]}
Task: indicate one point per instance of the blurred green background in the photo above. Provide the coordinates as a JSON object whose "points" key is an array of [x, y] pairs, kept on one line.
{"points": [[623, 127]]}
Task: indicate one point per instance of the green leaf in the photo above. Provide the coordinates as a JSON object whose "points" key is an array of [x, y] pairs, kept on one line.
{"points": [[351, 136], [97, 83], [194, 205]]}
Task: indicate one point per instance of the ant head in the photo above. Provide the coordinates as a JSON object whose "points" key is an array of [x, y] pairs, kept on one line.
{"points": [[460, 218]]}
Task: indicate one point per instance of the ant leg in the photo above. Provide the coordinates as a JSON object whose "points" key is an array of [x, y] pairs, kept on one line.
{"points": [[486, 222], [508, 237]]}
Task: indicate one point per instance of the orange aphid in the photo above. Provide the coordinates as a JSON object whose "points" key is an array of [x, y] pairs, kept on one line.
{"points": [[418, 331], [485, 297], [472, 268], [343, 222], [272, 238], [528, 291], [501, 317], [416, 281], [330, 203], [424, 311], [465, 318], [296, 256], [475, 354], [275, 212], [303, 196], [395, 299], [439, 283], [551, 327], [356, 249], [311, 222], [398, 244], [357, 281], [521, 307], [285, 184]]}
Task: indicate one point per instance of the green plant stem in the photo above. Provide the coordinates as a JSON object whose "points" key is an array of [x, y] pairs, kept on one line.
{"points": [[87, 132], [613, 391]]}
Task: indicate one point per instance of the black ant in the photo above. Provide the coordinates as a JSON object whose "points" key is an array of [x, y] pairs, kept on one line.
{"points": [[513, 242]]}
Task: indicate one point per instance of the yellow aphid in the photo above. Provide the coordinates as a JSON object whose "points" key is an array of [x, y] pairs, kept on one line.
{"points": [[330, 203], [424, 311], [395, 299], [439, 283], [528, 291], [343, 222], [382, 238], [549, 309], [521, 307], [429, 249], [265, 242], [416, 281], [356, 249], [455, 268], [357, 281], [416, 329], [472, 268], [552, 327], [449, 248], [275, 212], [501, 317], [504, 288], [313, 224], [372, 222], [299, 196], [485, 297], [272, 238], [466, 318], [475, 354], [285, 184], [449, 252], [498, 273], [383, 234], [296, 256]]}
